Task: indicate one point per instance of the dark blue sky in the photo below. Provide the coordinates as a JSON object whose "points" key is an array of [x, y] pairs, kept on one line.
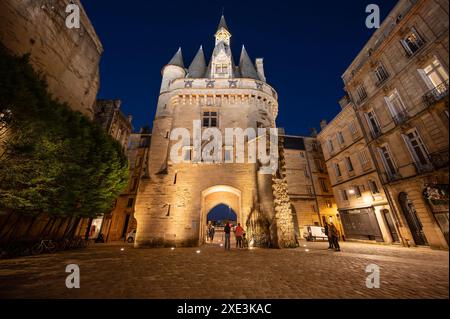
{"points": [[306, 46], [221, 212]]}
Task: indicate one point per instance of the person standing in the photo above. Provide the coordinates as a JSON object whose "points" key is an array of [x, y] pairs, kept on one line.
{"points": [[335, 236], [328, 234], [239, 232], [212, 231], [227, 231]]}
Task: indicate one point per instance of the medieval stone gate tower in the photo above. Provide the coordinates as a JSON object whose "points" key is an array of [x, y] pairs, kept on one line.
{"points": [[174, 198]]}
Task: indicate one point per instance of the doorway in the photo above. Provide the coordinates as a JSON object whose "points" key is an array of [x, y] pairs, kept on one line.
{"points": [[391, 225], [217, 219], [218, 203], [415, 226]]}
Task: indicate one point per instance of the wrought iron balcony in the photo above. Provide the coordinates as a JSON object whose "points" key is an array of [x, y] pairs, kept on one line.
{"points": [[421, 169], [400, 117], [361, 99], [439, 159], [436, 94], [415, 47], [383, 79], [376, 132], [389, 178]]}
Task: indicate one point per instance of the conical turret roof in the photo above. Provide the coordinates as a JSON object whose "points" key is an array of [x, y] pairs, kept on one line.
{"points": [[246, 67], [222, 24], [177, 59], [197, 68]]}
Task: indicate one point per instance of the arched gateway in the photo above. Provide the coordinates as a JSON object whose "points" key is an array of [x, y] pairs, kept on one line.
{"points": [[179, 186], [215, 195]]}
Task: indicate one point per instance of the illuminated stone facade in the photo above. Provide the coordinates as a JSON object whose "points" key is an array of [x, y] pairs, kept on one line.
{"points": [[398, 86], [174, 199], [68, 58]]}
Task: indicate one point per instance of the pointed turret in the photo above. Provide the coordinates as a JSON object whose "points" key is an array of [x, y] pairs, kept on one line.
{"points": [[197, 69], [177, 59], [222, 24], [246, 66], [173, 70], [222, 33]]}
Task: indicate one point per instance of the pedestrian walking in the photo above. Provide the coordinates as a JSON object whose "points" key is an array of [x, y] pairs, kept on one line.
{"points": [[227, 231], [239, 232], [335, 236], [328, 234]]}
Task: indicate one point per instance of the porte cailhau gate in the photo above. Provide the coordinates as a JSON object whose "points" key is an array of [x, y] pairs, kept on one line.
{"points": [[174, 199]]}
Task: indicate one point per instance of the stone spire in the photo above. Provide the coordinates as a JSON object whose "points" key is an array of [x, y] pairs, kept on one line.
{"points": [[222, 24], [197, 69], [246, 66], [177, 59], [222, 33]]}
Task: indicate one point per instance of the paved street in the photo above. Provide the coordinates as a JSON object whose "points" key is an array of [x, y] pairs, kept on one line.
{"points": [[109, 272]]}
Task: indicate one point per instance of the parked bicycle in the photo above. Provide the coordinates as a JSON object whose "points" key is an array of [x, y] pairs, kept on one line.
{"points": [[46, 245]]}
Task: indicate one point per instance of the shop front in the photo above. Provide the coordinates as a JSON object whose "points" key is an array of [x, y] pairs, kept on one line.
{"points": [[361, 224]]}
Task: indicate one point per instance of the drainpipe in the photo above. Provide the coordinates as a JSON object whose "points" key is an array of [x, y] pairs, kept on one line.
{"points": [[377, 167]]}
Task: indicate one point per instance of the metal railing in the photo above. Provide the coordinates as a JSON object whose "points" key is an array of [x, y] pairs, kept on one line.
{"points": [[401, 117], [384, 78], [439, 159], [435, 95], [389, 178], [415, 47], [375, 132]]}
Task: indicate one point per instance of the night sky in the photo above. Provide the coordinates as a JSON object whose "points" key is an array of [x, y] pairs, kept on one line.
{"points": [[306, 46]]}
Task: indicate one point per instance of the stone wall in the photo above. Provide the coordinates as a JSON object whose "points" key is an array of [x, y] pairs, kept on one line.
{"points": [[68, 58]]}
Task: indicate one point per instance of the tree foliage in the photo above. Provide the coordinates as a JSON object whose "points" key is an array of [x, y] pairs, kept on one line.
{"points": [[52, 159]]}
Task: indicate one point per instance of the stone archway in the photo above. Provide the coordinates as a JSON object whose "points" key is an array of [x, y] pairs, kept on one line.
{"points": [[216, 195]]}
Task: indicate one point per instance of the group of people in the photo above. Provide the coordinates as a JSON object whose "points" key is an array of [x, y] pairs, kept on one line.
{"points": [[333, 236], [239, 233]]}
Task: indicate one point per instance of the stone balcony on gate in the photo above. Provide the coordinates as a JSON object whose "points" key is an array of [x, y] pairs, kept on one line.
{"points": [[232, 83]]}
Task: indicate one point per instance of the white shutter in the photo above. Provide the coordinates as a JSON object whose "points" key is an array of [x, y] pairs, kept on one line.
{"points": [[410, 149], [390, 106], [383, 160], [368, 122], [405, 45], [425, 78]]}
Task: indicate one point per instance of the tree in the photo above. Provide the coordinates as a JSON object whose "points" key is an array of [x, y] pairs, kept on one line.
{"points": [[52, 159]]}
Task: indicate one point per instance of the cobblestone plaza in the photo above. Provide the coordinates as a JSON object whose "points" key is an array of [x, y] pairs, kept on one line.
{"points": [[107, 271]]}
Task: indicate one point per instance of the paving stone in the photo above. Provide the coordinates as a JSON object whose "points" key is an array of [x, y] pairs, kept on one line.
{"points": [[107, 272]]}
